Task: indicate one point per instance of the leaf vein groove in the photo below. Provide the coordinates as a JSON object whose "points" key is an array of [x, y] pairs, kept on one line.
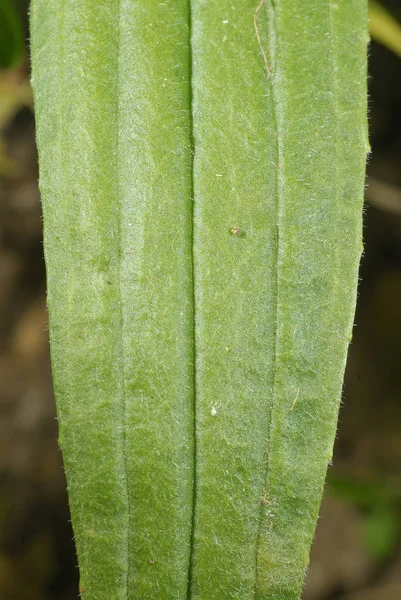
{"points": [[193, 299], [271, 76], [124, 410]]}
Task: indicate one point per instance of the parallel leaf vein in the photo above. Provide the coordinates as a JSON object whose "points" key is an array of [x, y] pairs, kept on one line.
{"points": [[192, 241], [271, 28], [122, 324]]}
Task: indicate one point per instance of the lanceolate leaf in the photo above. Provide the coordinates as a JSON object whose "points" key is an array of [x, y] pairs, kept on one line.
{"points": [[201, 169]]}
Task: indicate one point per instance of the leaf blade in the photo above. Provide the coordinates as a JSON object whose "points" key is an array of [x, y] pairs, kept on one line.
{"points": [[105, 190], [323, 167], [277, 118]]}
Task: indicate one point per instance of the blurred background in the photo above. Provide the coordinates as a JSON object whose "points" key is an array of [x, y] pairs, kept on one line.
{"points": [[357, 551]]}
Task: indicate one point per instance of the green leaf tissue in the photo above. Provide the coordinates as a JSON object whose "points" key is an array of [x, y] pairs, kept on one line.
{"points": [[202, 173]]}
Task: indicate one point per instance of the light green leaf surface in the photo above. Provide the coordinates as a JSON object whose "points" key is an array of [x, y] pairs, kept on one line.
{"points": [[201, 169]]}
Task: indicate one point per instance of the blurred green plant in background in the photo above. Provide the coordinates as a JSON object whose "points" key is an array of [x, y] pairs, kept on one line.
{"points": [[379, 506], [15, 90], [11, 36], [384, 28]]}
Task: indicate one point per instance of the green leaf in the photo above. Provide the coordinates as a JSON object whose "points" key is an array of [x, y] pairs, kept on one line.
{"points": [[201, 169], [11, 36]]}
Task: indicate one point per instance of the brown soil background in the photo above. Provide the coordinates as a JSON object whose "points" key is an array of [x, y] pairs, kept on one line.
{"points": [[357, 551]]}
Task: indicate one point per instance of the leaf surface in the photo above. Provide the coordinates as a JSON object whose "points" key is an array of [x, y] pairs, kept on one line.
{"points": [[201, 169]]}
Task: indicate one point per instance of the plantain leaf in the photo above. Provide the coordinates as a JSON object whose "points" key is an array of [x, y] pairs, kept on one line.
{"points": [[201, 170]]}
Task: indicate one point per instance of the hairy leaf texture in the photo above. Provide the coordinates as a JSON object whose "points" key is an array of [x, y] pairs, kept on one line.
{"points": [[201, 169]]}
